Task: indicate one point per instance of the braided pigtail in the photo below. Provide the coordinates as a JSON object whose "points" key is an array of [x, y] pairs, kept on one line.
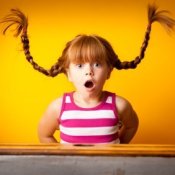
{"points": [[16, 17], [153, 16]]}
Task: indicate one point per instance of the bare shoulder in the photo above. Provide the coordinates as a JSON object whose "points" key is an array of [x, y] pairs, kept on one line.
{"points": [[49, 122], [52, 112], [123, 105], [54, 107], [125, 109], [129, 119]]}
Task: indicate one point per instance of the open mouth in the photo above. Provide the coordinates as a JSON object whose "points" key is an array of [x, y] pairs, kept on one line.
{"points": [[89, 84]]}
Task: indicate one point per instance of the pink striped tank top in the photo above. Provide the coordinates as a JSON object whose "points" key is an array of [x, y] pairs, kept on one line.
{"points": [[95, 125]]}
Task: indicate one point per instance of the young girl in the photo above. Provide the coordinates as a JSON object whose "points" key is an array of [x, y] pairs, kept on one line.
{"points": [[88, 115]]}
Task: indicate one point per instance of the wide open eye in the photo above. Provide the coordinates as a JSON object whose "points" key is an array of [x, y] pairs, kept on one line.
{"points": [[79, 66], [97, 64]]}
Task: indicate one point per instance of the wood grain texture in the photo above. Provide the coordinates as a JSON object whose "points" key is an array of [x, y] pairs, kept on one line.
{"points": [[89, 150]]}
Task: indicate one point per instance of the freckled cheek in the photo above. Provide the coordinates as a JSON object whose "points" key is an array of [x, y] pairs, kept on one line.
{"points": [[77, 77], [73, 72], [102, 74], [103, 79]]}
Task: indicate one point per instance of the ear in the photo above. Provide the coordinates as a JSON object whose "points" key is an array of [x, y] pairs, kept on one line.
{"points": [[109, 73], [68, 75]]}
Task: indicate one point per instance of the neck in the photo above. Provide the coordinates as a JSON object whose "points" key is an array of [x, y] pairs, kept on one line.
{"points": [[87, 101]]}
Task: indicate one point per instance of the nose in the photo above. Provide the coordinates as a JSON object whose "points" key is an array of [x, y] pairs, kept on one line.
{"points": [[90, 73], [89, 70]]}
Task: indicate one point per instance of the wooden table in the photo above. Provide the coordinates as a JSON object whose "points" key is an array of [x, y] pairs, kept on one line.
{"points": [[57, 159]]}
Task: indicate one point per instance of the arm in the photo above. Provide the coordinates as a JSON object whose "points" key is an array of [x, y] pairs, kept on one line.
{"points": [[129, 120], [49, 122]]}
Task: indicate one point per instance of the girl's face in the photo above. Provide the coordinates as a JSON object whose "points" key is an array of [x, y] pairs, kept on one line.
{"points": [[88, 78]]}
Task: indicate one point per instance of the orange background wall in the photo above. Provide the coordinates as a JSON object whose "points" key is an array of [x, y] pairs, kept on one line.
{"points": [[25, 93]]}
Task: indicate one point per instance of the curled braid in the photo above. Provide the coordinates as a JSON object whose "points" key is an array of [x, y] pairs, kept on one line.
{"points": [[153, 16], [20, 20], [16, 17]]}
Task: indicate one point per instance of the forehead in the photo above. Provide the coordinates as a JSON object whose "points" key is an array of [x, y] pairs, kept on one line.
{"points": [[87, 50]]}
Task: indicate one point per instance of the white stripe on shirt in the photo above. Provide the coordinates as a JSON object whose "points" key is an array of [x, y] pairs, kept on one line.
{"points": [[89, 131], [98, 114]]}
